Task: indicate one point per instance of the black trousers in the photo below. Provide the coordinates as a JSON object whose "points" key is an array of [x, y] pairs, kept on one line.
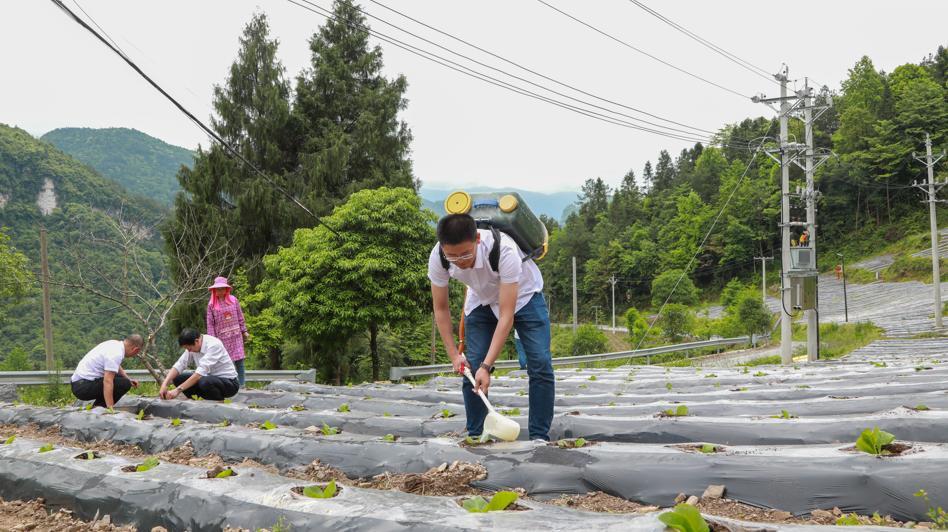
{"points": [[209, 387], [94, 390]]}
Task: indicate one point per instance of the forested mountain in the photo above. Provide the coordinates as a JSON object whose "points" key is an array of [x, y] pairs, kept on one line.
{"points": [[84, 214], [656, 219], [141, 163]]}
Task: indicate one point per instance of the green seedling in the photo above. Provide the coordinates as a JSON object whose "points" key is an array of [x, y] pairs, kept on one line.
{"points": [[175, 422], [578, 370], [760, 374], [511, 412], [315, 492], [387, 414], [329, 431], [225, 473], [141, 414], [228, 401], [708, 448], [9, 440], [804, 386], [46, 448], [617, 394], [745, 371], [592, 377], [936, 514], [873, 441], [710, 376], [344, 407], [197, 398], [253, 405], [684, 518], [388, 438], [298, 408], [225, 423], [880, 364], [267, 426], [583, 386], [921, 407], [784, 415], [88, 406], [90, 455], [681, 411], [500, 501], [572, 444], [668, 386], [612, 403], [447, 413], [521, 393], [922, 368], [848, 520], [149, 463], [741, 389]]}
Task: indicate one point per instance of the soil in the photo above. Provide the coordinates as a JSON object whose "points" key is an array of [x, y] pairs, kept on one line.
{"points": [[317, 472], [571, 443], [218, 469], [445, 480], [696, 448], [598, 501], [892, 449], [33, 515]]}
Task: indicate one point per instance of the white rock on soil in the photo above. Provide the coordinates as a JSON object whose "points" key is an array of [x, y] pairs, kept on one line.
{"points": [[714, 491], [693, 500]]}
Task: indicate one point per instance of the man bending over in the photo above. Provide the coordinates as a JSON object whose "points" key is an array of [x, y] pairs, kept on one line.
{"points": [[215, 377], [99, 377]]}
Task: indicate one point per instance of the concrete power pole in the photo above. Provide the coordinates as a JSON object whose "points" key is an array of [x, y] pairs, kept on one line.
{"points": [[786, 321], [47, 313], [575, 307], [613, 280], [763, 278], [932, 190]]}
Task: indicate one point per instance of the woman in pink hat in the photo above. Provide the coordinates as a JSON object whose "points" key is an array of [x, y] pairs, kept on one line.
{"points": [[225, 321]]}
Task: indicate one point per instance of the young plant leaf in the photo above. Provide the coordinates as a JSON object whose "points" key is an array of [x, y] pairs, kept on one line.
{"points": [[511, 412], [760, 374], [315, 492], [225, 473], [89, 406], [708, 448], [387, 414], [268, 426], [225, 423], [921, 407], [447, 413], [90, 455], [228, 401], [668, 386], [329, 431], [848, 520], [388, 438], [9, 440], [175, 422], [141, 414], [501, 500], [684, 518], [344, 407], [46, 448], [475, 504], [592, 378], [298, 408], [579, 442], [150, 463], [873, 441], [682, 410]]}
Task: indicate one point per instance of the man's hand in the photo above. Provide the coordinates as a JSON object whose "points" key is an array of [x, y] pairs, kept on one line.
{"points": [[459, 363], [134, 383], [163, 392], [481, 381], [172, 394]]}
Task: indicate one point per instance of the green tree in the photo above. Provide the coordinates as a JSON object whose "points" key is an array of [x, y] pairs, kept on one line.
{"points": [[752, 314], [678, 321], [16, 360], [327, 288], [685, 292], [15, 272], [588, 340], [637, 325]]}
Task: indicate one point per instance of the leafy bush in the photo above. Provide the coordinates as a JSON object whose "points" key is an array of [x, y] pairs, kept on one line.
{"points": [[500, 501], [684, 518], [677, 321], [315, 492], [873, 441], [662, 285], [637, 325], [589, 340]]}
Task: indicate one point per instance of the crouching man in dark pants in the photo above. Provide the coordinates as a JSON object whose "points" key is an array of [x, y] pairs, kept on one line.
{"points": [[99, 377], [215, 377], [510, 296]]}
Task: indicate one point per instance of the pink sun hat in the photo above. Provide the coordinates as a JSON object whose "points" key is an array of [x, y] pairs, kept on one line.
{"points": [[219, 282]]}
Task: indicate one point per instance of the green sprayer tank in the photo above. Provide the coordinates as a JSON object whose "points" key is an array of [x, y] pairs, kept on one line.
{"points": [[507, 212]]}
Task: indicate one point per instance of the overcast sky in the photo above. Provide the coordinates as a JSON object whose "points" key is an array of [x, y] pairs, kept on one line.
{"points": [[466, 132]]}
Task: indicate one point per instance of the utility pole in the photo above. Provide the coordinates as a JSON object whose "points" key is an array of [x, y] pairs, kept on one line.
{"points": [[786, 321], [47, 314], [596, 309], [575, 308], [932, 191], [613, 280], [763, 278], [842, 269]]}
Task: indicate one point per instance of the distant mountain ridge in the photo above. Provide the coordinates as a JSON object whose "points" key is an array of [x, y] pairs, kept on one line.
{"points": [[143, 164], [556, 205]]}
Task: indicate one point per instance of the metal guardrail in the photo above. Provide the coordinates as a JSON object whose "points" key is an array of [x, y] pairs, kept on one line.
{"points": [[42, 377], [400, 372]]}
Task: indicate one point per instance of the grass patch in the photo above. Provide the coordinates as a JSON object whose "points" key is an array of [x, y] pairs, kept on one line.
{"points": [[45, 395], [762, 361]]}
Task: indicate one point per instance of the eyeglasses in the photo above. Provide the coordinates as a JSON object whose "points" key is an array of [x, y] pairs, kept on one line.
{"points": [[460, 258]]}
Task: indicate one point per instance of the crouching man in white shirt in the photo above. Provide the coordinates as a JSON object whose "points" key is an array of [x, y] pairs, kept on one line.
{"points": [[215, 377], [99, 377]]}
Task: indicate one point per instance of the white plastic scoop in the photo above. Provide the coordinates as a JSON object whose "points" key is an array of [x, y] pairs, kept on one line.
{"points": [[495, 424]]}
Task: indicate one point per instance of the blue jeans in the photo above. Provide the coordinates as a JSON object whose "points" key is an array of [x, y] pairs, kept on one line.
{"points": [[239, 366], [521, 354], [532, 323]]}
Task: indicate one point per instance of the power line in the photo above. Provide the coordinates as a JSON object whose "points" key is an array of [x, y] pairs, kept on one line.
{"points": [[713, 47], [534, 72], [643, 52], [453, 65], [210, 132]]}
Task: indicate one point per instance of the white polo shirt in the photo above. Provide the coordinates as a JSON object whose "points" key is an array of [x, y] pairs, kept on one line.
{"points": [[107, 356], [484, 283], [211, 360]]}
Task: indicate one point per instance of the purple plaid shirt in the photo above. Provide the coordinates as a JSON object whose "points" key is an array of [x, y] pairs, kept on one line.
{"points": [[227, 324]]}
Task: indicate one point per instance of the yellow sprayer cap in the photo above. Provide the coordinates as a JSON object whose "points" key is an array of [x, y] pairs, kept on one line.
{"points": [[508, 203], [457, 202]]}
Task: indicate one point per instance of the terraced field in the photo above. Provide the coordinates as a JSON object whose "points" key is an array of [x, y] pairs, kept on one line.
{"points": [[775, 437]]}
